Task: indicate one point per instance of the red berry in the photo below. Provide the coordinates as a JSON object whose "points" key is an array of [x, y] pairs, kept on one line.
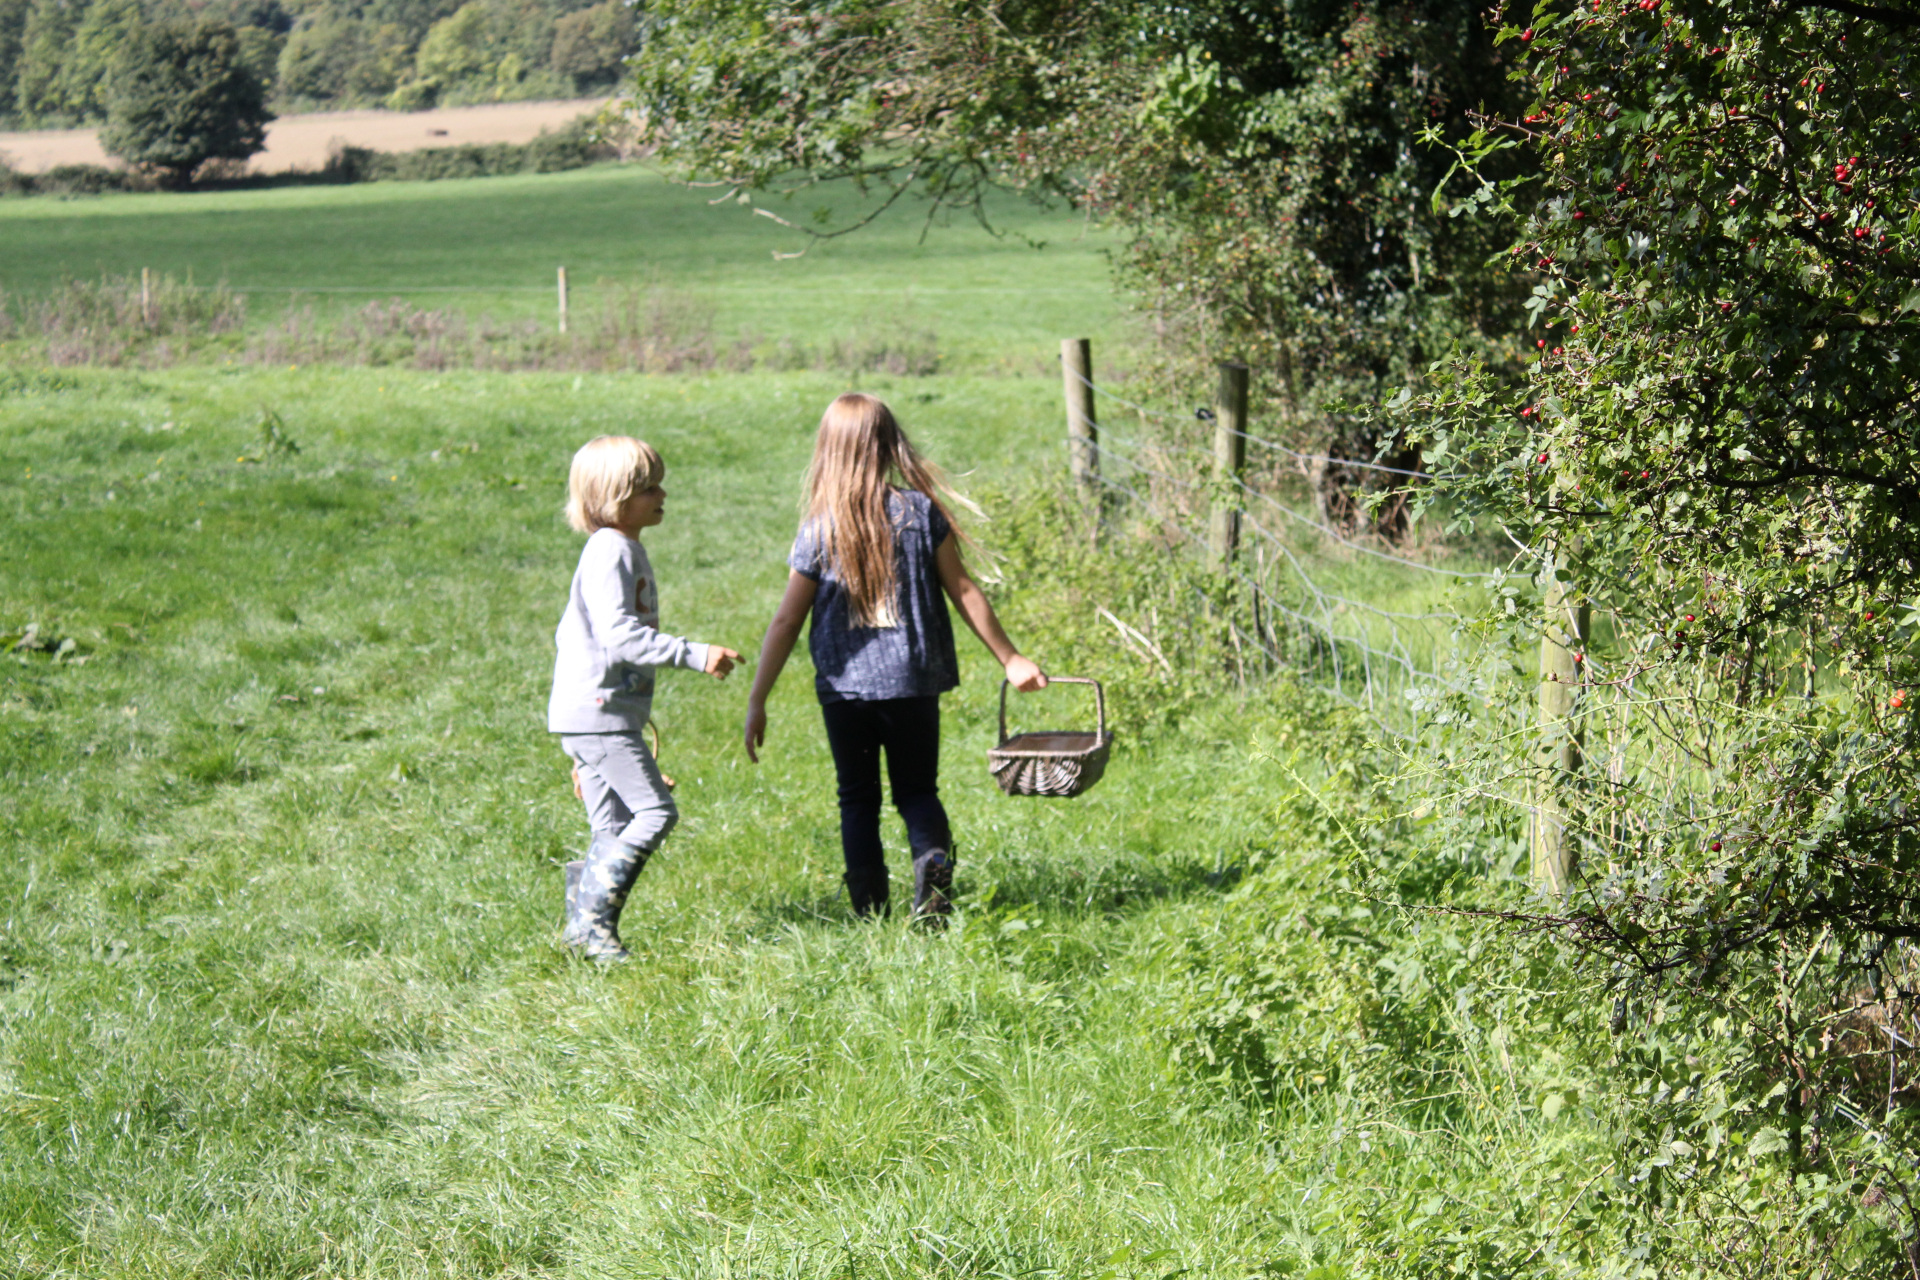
{"points": [[1715, 846], [1543, 459], [1541, 343], [1527, 35]]}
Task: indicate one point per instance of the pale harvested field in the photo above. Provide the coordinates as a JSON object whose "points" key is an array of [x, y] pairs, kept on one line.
{"points": [[301, 142]]}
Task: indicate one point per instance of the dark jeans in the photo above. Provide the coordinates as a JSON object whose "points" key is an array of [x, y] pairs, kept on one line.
{"points": [[908, 729]]}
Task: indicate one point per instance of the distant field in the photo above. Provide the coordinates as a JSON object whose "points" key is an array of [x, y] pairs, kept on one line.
{"points": [[493, 245], [301, 141]]}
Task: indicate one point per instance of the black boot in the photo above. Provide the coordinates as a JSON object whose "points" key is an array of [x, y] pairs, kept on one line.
{"points": [[932, 884], [869, 894]]}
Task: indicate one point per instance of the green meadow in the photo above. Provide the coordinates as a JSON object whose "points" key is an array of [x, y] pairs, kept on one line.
{"points": [[281, 993], [996, 299]]}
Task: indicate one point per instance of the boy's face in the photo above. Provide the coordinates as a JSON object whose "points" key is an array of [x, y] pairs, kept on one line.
{"points": [[646, 508]]}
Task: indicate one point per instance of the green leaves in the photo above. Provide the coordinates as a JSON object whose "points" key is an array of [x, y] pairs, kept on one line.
{"points": [[1718, 441]]}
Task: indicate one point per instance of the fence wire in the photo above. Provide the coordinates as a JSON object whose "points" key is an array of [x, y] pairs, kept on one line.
{"points": [[1284, 615]]}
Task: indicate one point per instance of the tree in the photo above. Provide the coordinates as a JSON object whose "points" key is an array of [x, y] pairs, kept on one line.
{"points": [[590, 46], [182, 95], [1266, 162], [320, 55], [45, 39], [86, 69], [1719, 447], [13, 30], [456, 49]]}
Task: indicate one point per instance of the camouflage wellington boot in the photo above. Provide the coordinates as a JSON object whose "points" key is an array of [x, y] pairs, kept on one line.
{"points": [[933, 886], [573, 870], [593, 924]]}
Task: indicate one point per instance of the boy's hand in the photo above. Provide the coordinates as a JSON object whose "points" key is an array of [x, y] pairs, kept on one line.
{"points": [[577, 793], [1025, 674], [720, 660], [756, 731]]}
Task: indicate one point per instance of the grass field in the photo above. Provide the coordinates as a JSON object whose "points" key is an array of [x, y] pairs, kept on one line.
{"points": [[281, 995], [280, 987], [493, 245]]}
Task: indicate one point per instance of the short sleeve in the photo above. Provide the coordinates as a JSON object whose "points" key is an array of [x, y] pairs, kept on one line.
{"points": [[805, 557], [938, 526]]}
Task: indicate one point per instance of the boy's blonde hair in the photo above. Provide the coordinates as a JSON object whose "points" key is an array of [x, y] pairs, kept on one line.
{"points": [[606, 472]]}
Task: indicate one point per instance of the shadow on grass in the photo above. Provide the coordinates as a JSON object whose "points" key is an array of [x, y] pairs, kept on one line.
{"points": [[1002, 884], [1117, 884]]}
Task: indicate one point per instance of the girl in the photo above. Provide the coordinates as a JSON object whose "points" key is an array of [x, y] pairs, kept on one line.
{"points": [[875, 550], [608, 645]]}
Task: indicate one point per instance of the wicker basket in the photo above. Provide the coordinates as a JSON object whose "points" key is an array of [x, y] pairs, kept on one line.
{"points": [[1052, 762]]}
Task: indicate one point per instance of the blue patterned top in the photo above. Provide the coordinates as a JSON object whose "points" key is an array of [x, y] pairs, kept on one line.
{"points": [[910, 660]]}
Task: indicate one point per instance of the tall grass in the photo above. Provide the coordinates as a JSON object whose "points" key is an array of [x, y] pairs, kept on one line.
{"points": [[280, 993], [119, 321]]}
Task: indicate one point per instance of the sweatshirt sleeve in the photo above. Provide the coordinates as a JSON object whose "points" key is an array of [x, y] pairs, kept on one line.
{"points": [[607, 588]]}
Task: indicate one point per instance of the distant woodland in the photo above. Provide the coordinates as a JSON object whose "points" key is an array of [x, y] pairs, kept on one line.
{"points": [[57, 56]]}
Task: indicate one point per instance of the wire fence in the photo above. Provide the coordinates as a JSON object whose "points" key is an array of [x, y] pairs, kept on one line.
{"points": [[1284, 611]]}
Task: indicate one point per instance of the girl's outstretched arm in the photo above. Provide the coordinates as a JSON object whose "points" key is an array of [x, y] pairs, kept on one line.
{"points": [[774, 652], [972, 602]]}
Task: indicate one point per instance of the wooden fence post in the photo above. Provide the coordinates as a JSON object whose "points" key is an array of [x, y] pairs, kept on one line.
{"points": [[1083, 429], [146, 296], [1562, 667], [563, 299], [1229, 458]]}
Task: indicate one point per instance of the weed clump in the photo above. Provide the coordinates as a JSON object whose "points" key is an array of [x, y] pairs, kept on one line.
{"points": [[117, 322]]}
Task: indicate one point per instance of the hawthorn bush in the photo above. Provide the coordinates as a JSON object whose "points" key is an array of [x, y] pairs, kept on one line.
{"points": [[1718, 447]]}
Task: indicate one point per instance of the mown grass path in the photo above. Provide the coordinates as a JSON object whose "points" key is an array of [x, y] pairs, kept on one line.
{"points": [[279, 987]]}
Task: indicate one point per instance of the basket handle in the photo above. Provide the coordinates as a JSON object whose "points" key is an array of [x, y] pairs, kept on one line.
{"points": [[1099, 702]]}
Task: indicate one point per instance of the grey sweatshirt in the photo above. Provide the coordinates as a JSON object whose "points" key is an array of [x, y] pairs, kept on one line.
{"points": [[609, 642]]}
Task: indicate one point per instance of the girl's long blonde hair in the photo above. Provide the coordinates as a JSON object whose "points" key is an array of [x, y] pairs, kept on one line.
{"points": [[859, 455]]}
